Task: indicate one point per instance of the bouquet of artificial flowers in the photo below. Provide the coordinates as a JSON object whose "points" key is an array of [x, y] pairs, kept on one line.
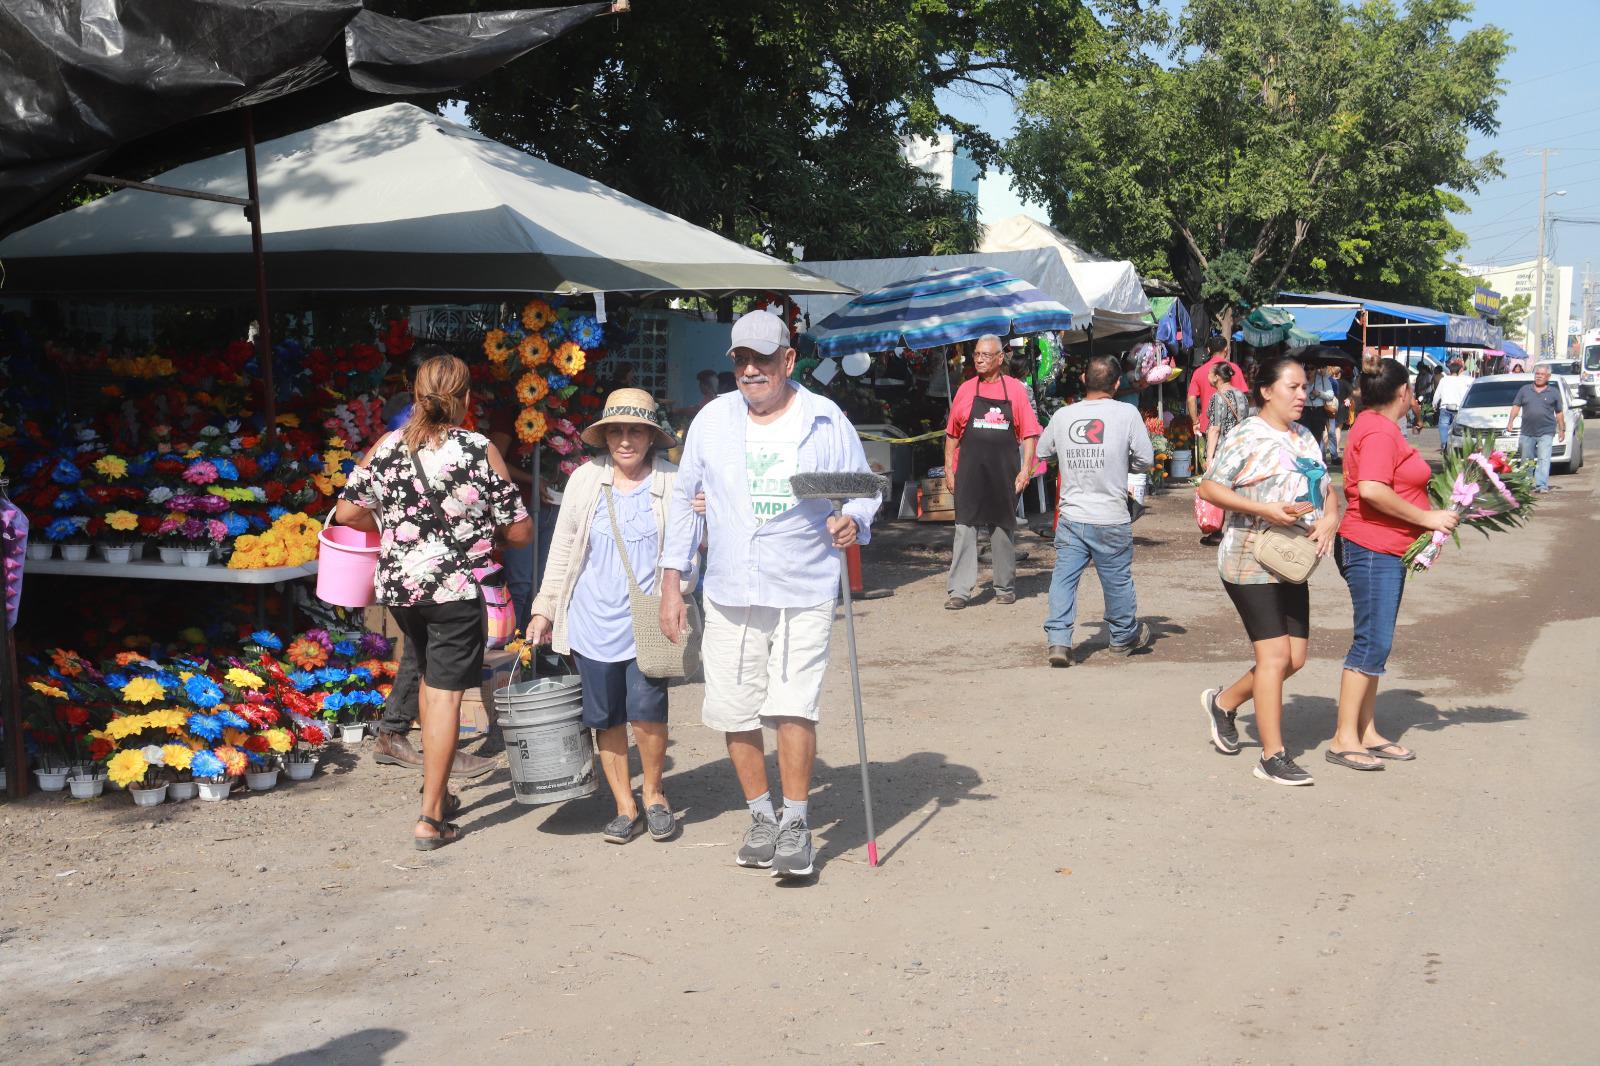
{"points": [[1490, 492]]}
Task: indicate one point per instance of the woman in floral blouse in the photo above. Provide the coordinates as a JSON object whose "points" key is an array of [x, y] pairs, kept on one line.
{"points": [[433, 536]]}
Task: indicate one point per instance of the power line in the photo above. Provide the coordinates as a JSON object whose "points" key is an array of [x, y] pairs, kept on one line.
{"points": [[1553, 73]]}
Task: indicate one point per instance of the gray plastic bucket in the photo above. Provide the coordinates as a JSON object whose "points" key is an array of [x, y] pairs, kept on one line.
{"points": [[550, 753]]}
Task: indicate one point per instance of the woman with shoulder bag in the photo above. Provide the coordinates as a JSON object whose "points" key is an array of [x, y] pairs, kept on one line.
{"points": [[1270, 477], [1387, 507], [608, 537], [439, 494]]}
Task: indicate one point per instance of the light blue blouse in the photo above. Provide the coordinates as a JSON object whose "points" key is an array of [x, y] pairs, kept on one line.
{"points": [[599, 623]]}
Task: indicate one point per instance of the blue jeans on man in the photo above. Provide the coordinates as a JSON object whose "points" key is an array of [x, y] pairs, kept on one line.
{"points": [[1447, 418], [1538, 448], [1110, 549]]}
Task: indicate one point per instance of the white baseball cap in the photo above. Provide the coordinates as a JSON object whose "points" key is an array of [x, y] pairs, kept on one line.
{"points": [[760, 331]]}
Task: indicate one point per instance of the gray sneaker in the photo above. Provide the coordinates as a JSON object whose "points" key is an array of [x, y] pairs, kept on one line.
{"points": [[760, 842], [1141, 639], [794, 852]]}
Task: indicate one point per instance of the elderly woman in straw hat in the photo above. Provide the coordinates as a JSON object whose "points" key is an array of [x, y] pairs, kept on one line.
{"points": [[582, 604]]}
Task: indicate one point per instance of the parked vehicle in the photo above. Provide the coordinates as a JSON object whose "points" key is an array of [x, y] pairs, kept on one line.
{"points": [[1568, 373], [1487, 408], [1589, 382]]}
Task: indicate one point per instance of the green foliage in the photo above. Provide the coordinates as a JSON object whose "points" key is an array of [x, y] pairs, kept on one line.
{"points": [[1248, 142], [1513, 313], [775, 123]]}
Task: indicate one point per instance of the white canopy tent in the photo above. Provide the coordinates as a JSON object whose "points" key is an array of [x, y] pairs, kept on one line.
{"points": [[1105, 292], [395, 201]]}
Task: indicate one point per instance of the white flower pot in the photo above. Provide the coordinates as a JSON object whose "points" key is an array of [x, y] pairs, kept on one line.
{"points": [[44, 550], [1180, 464], [300, 771], [75, 553], [178, 791], [148, 797], [352, 734], [113, 553], [261, 780], [86, 787], [171, 556], [196, 558], [51, 780], [215, 790], [1138, 486]]}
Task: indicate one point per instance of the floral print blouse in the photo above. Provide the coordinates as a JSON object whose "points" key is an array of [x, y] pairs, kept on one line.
{"points": [[1264, 465], [422, 559]]}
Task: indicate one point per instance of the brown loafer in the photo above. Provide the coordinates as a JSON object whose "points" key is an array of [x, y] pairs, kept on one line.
{"points": [[472, 766], [394, 749]]}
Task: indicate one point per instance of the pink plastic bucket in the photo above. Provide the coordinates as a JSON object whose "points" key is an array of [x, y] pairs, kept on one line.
{"points": [[346, 566]]}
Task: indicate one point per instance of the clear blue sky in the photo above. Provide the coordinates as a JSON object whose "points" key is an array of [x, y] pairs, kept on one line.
{"points": [[1552, 99]]}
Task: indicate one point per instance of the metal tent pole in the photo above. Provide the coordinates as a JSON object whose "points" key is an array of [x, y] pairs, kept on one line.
{"points": [[269, 405]]}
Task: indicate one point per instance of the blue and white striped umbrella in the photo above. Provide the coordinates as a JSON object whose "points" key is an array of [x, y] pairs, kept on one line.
{"points": [[943, 307]]}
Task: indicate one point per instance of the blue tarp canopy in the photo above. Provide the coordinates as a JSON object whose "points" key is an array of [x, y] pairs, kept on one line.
{"points": [[1398, 324], [1330, 324], [1511, 347]]}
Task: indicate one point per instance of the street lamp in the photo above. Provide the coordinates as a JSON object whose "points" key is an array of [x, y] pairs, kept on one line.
{"points": [[1538, 267]]}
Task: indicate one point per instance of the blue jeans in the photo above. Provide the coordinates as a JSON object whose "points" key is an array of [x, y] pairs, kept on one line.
{"points": [[519, 566], [1538, 449], [1447, 418], [1377, 581], [1110, 548]]}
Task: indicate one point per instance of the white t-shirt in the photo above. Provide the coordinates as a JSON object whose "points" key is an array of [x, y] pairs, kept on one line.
{"points": [[771, 458], [1452, 389]]}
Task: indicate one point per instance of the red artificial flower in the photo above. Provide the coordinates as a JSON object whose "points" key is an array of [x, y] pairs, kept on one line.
{"points": [[257, 743], [74, 715], [312, 734], [101, 748], [274, 491]]}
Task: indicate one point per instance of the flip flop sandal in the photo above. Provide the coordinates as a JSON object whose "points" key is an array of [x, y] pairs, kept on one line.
{"points": [[658, 819], [1343, 758], [448, 834], [1382, 752], [621, 829]]}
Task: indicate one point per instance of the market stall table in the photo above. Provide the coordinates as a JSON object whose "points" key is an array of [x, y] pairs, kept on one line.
{"points": [[155, 570]]}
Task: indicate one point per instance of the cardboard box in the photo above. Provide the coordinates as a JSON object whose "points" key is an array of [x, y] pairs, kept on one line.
{"points": [[477, 705]]}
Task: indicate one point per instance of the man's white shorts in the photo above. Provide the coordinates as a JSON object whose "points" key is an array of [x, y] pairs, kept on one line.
{"points": [[763, 663]]}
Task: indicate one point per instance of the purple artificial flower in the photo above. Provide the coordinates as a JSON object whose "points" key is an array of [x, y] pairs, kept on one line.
{"points": [[375, 645]]}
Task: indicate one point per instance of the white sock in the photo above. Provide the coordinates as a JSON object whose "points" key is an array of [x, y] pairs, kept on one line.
{"points": [[762, 805], [794, 810]]}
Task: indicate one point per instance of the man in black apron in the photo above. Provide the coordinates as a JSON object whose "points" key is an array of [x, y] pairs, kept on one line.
{"points": [[989, 417]]}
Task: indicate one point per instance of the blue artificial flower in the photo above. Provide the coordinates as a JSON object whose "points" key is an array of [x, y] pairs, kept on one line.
{"points": [[257, 523], [346, 465], [267, 639], [203, 692], [334, 702], [586, 332], [232, 720], [60, 529], [314, 463], [557, 382], [361, 674], [256, 760], [302, 680], [329, 675], [34, 466], [226, 471], [204, 726], [266, 461], [235, 523], [70, 500], [117, 680], [554, 334], [346, 648], [140, 466], [205, 764], [167, 679], [66, 473], [275, 512]]}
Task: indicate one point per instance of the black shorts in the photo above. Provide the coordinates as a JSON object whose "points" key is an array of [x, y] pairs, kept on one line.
{"points": [[1276, 609], [449, 642]]}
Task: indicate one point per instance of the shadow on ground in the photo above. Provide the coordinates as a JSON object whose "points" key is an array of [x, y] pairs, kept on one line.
{"points": [[1308, 720], [366, 1047]]}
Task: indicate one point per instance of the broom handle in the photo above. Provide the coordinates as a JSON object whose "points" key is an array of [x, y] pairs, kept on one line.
{"points": [[855, 691]]}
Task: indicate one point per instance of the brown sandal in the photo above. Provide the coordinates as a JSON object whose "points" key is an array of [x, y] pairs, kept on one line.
{"points": [[452, 804], [448, 832]]}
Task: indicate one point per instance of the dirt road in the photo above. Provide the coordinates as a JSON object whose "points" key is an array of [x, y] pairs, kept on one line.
{"points": [[1071, 873]]}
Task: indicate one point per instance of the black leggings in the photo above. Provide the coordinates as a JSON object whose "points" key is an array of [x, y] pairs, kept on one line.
{"points": [[1276, 609]]}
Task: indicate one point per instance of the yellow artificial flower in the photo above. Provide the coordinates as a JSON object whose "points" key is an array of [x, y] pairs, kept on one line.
{"points": [[122, 521], [290, 420], [496, 346], [126, 767], [533, 351], [531, 426], [244, 678], [167, 718], [143, 690], [112, 467], [176, 756], [531, 388], [48, 690], [279, 739], [536, 315], [126, 726], [569, 359]]}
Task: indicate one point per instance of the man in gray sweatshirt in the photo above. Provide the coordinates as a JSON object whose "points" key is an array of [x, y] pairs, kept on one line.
{"points": [[1097, 442]]}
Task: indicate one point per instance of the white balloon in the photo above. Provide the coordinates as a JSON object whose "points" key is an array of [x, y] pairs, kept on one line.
{"points": [[856, 363]]}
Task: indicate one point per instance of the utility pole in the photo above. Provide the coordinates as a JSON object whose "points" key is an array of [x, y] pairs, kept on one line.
{"points": [[1538, 266], [1588, 296]]}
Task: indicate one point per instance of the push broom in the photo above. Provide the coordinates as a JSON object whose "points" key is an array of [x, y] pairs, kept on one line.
{"points": [[837, 487]]}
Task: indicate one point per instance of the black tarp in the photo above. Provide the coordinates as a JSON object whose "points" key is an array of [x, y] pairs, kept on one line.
{"points": [[129, 87]]}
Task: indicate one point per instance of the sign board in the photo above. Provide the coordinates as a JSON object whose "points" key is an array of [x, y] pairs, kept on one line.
{"points": [[1486, 302]]}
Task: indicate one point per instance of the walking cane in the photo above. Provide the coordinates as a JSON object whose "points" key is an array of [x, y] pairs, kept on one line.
{"points": [[836, 487]]}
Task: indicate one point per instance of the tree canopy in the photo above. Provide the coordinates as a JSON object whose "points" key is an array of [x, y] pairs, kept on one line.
{"points": [[776, 123], [1247, 145]]}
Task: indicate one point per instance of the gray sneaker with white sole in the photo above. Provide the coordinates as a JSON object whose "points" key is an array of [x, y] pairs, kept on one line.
{"points": [[759, 844], [794, 854]]}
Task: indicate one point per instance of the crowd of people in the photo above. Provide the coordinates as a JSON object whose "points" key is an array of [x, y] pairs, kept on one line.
{"points": [[721, 533]]}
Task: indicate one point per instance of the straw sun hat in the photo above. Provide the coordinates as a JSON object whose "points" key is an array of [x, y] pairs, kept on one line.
{"points": [[626, 406]]}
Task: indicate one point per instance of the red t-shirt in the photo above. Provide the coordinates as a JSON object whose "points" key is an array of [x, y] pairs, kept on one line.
{"points": [[1376, 450], [1201, 388], [1024, 423]]}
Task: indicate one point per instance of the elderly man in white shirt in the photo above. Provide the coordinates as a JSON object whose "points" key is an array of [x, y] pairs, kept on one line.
{"points": [[1447, 397], [771, 576]]}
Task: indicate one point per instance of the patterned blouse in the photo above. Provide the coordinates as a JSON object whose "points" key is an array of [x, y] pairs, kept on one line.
{"points": [[1229, 407], [422, 559], [1264, 465]]}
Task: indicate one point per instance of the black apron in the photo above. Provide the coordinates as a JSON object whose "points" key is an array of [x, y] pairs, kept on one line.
{"points": [[987, 465]]}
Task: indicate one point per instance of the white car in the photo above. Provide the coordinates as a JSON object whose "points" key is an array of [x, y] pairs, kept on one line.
{"points": [[1569, 372], [1488, 407]]}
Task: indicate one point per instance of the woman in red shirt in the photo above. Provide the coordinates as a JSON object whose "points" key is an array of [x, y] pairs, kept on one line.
{"points": [[1386, 507]]}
